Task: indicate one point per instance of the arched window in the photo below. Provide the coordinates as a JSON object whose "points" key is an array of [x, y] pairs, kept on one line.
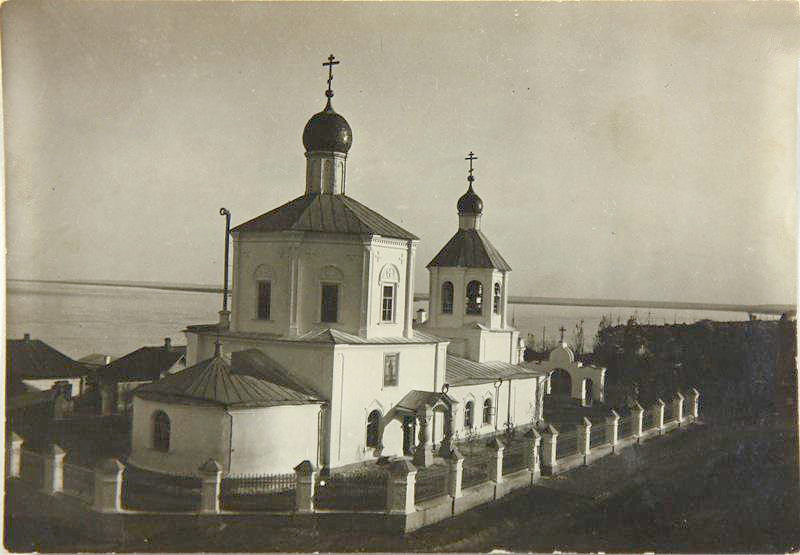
{"points": [[474, 297], [447, 298], [487, 411], [468, 415], [497, 298], [373, 428], [160, 431]]}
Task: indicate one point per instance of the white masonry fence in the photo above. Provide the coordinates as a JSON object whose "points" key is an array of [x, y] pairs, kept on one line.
{"points": [[397, 487]]}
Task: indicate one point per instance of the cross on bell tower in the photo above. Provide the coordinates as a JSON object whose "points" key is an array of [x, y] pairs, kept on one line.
{"points": [[329, 64], [471, 157], [562, 330]]}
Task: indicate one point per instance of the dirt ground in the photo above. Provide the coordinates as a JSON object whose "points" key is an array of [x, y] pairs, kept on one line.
{"points": [[709, 489]]}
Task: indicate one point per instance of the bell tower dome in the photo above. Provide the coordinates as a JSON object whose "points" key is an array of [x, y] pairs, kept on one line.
{"points": [[327, 138]]}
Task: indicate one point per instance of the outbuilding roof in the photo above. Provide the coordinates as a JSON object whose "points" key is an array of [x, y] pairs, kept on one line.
{"points": [[326, 214], [143, 364], [31, 359], [461, 371], [470, 248], [247, 381]]}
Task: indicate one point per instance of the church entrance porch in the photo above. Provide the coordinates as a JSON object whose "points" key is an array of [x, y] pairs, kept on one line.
{"points": [[416, 411]]}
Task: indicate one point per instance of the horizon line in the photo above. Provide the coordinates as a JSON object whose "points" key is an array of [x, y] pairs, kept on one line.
{"points": [[766, 308]]}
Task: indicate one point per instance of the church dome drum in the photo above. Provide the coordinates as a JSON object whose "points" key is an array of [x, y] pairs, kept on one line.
{"points": [[470, 202], [327, 131]]}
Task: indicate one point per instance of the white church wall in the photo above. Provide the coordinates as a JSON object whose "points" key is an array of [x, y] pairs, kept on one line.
{"points": [[272, 440], [388, 263], [523, 404], [197, 433], [500, 346], [359, 270], [359, 389]]}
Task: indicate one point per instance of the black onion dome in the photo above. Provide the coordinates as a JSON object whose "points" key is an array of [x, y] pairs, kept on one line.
{"points": [[470, 202], [327, 131]]}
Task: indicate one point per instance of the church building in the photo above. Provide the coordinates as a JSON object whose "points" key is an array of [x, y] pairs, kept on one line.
{"points": [[320, 358]]}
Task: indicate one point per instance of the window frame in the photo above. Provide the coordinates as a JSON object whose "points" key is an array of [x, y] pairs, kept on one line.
{"points": [[497, 298], [259, 284], [469, 415], [447, 298], [393, 303], [386, 358], [159, 440], [322, 312], [488, 411], [473, 308], [377, 430]]}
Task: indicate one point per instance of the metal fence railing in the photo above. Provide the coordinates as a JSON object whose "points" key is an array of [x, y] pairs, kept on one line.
{"points": [[597, 436], [32, 467], [145, 490], [649, 419], [476, 470], [258, 492], [625, 427], [431, 482], [669, 412], [515, 456], [79, 481], [566, 444], [354, 492]]}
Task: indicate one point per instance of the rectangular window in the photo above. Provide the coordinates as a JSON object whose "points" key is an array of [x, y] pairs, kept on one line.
{"points": [[390, 369], [264, 299], [387, 304], [330, 303]]}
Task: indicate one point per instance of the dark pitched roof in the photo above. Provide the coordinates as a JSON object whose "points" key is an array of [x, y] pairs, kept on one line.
{"points": [[32, 359], [460, 371], [471, 249], [214, 381], [143, 364], [326, 214]]}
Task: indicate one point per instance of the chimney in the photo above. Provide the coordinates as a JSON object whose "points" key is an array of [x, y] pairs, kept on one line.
{"points": [[27, 337], [107, 359], [167, 343], [422, 316]]}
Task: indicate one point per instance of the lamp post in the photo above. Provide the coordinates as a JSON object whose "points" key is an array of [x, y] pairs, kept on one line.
{"points": [[497, 383]]}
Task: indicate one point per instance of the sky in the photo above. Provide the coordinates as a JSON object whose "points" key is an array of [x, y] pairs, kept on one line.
{"points": [[625, 150]]}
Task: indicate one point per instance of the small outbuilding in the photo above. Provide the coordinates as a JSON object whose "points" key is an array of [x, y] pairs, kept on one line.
{"points": [[247, 413]]}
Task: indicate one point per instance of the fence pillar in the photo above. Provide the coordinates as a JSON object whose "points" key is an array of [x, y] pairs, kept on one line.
{"points": [[423, 454], [455, 465], [211, 480], [108, 486], [694, 403], [677, 407], [496, 466], [612, 429], [584, 432], [305, 478], [549, 443], [401, 486], [532, 455], [54, 469], [659, 413], [637, 413], [14, 456]]}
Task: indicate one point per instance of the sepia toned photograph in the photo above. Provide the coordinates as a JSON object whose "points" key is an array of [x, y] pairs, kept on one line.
{"points": [[401, 276]]}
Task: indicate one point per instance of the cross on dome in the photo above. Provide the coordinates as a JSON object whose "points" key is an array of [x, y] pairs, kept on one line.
{"points": [[330, 63], [562, 330]]}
